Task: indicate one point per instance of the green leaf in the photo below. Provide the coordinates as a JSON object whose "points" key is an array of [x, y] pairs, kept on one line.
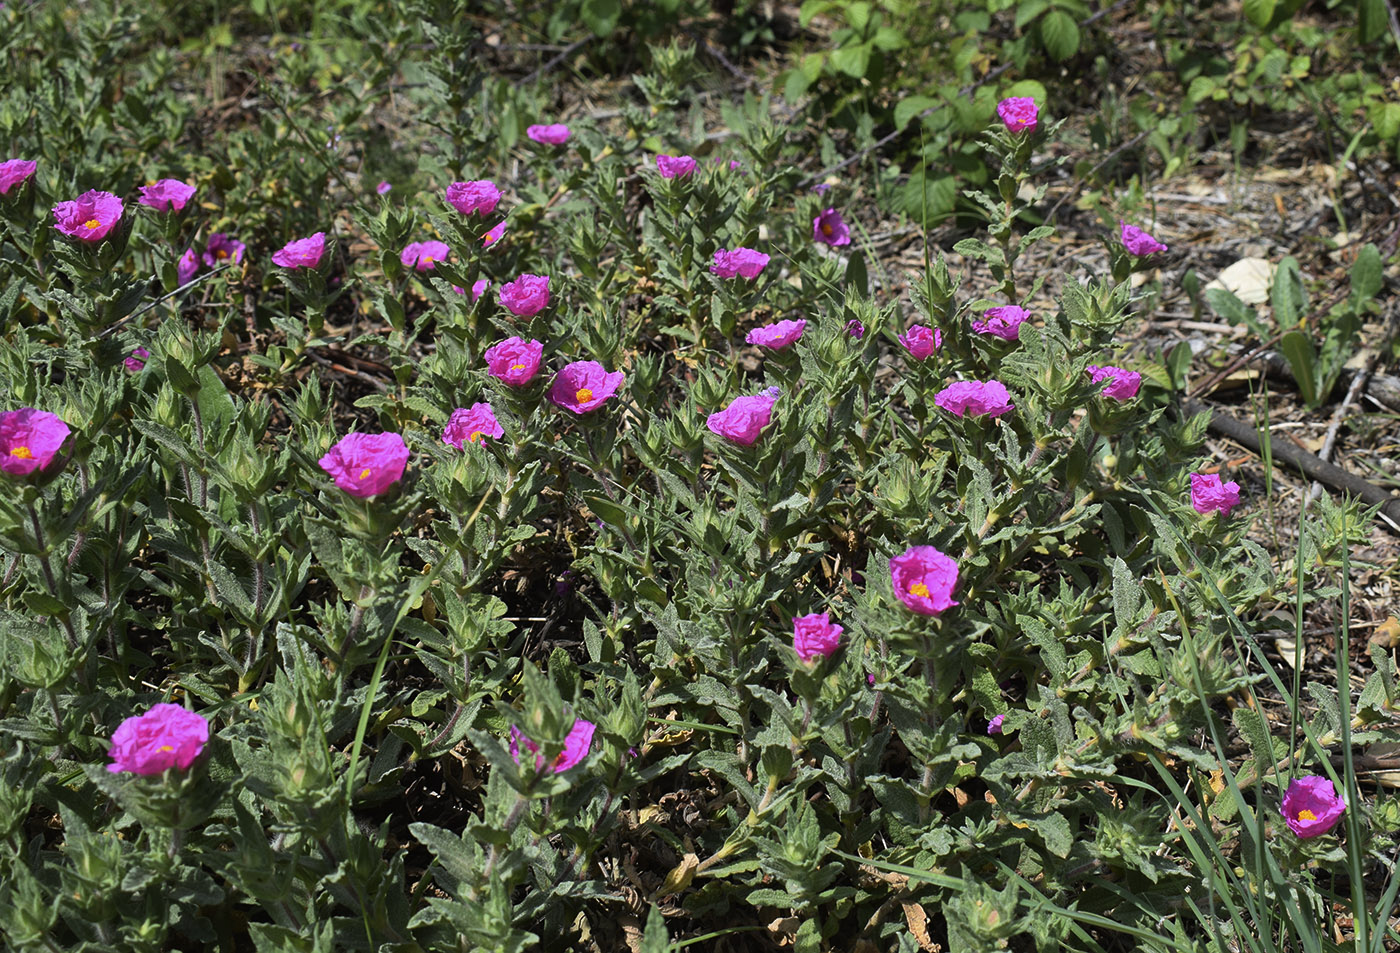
{"points": [[854, 61], [857, 276], [1228, 306], [1260, 12], [1302, 358], [1201, 88], [1060, 34], [1370, 20], [1026, 12], [1054, 828], [1287, 296], [1385, 117], [1366, 278], [654, 938], [911, 106], [601, 16]]}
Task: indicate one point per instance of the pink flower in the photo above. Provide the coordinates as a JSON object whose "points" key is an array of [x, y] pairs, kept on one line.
{"points": [[744, 418], [924, 579], [584, 385], [221, 248], [166, 195], [187, 267], [975, 398], [815, 636], [383, 187], [478, 287], [994, 726], [423, 256], [366, 464], [478, 197], [1003, 322], [1019, 113], [90, 217], [576, 745], [830, 228], [741, 261], [167, 736], [672, 167], [855, 329], [920, 342], [1209, 494], [777, 336], [1137, 241], [1122, 385], [526, 296], [468, 426], [552, 135], [15, 172], [513, 361], [134, 361], [494, 235], [1311, 806], [29, 440], [302, 252]]}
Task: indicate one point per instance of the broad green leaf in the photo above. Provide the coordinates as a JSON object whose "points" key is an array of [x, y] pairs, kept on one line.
{"points": [[1060, 34], [911, 106], [1302, 358], [1366, 278], [1260, 12]]}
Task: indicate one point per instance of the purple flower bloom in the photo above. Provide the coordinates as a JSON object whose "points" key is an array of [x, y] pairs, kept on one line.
{"points": [[187, 267], [924, 579], [222, 248], [514, 362], [821, 188], [366, 464], [383, 187], [14, 173], [478, 288], [423, 256], [470, 425], [830, 228], [994, 727], [29, 440], [166, 195], [552, 135], [167, 736], [1003, 322], [741, 261], [745, 417], [576, 745], [1122, 385], [974, 398], [855, 329], [1311, 806], [584, 385], [1137, 241], [302, 252], [815, 636], [1019, 113], [90, 217], [526, 296], [672, 167], [134, 361], [494, 234], [478, 197], [920, 342], [1208, 494], [777, 336]]}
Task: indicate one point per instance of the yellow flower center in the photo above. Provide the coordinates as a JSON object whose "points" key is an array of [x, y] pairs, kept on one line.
{"points": [[165, 748], [221, 253], [24, 453], [919, 589], [364, 473], [517, 367], [91, 224], [488, 239], [1306, 815], [474, 435], [584, 395], [827, 229], [427, 260]]}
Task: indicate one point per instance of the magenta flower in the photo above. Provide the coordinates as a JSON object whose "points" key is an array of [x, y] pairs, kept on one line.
{"points": [[14, 173], [554, 134], [924, 579], [470, 425], [994, 726], [90, 217], [187, 267], [302, 252], [366, 464], [576, 745], [1019, 113], [821, 188], [222, 248], [1122, 385], [166, 195], [920, 342], [830, 228], [478, 197], [815, 636], [383, 187], [478, 288], [584, 385], [672, 167], [423, 256], [745, 417], [526, 296], [167, 736], [135, 362], [744, 262], [974, 398], [29, 440], [495, 233], [1003, 322], [777, 336], [855, 329], [1137, 241], [514, 362], [1208, 494], [1311, 806]]}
